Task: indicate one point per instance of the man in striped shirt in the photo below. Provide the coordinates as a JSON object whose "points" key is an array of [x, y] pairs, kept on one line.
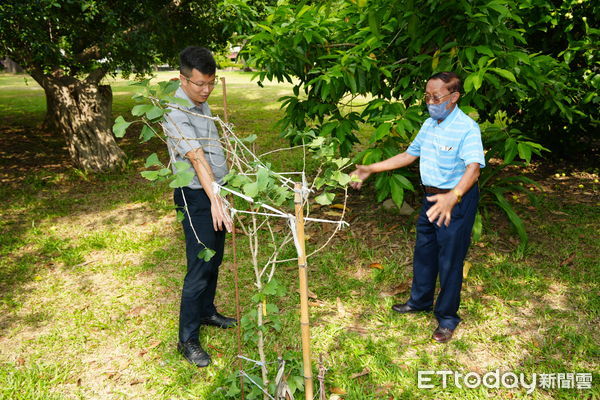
{"points": [[451, 155]]}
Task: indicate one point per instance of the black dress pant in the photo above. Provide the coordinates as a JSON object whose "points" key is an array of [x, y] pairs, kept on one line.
{"points": [[200, 283], [440, 251]]}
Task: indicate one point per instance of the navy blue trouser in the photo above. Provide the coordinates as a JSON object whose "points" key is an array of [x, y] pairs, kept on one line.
{"points": [[442, 250], [200, 283]]}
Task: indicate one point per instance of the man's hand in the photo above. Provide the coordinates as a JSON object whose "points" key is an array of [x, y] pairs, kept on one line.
{"points": [[220, 216], [442, 209], [362, 172]]}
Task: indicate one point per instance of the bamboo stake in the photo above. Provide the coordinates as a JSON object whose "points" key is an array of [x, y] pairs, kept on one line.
{"points": [[303, 274], [225, 114], [238, 313]]}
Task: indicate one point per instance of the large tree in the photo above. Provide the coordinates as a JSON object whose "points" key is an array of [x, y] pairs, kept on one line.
{"points": [[69, 46]]}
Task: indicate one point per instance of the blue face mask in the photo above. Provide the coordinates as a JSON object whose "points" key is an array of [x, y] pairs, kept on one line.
{"points": [[438, 111]]}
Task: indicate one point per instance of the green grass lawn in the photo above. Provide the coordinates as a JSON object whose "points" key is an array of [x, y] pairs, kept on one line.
{"points": [[91, 268]]}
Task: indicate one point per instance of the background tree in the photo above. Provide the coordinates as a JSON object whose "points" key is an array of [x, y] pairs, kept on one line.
{"points": [[69, 46], [339, 50]]}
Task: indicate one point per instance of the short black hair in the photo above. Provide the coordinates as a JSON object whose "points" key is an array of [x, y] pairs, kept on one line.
{"points": [[452, 80], [196, 57]]}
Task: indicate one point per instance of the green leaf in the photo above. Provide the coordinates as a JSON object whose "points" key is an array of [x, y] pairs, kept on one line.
{"points": [[403, 182], [146, 134], [155, 112], [512, 215], [272, 287], [397, 192], [477, 227], [167, 87], [262, 179], [351, 82], [382, 131], [150, 175], [249, 138], [178, 101], [182, 178], [250, 189], [373, 23], [510, 150], [180, 216], [120, 126], [485, 50], [141, 109], [341, 178], [341, 162], [524, 152], [325, 198], [505, 74], [152, 160], [206, 254], [181, 166], [164, 171]]}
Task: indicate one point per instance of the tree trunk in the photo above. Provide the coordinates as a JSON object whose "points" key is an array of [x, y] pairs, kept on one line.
{"points": [[11, 66], [81, 112]]}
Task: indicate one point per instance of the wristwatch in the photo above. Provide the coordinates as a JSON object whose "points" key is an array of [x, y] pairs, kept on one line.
{"points": [[458, 195]]}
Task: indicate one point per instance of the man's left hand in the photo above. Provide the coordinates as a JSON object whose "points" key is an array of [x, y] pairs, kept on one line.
{"points": [[442, 209]]}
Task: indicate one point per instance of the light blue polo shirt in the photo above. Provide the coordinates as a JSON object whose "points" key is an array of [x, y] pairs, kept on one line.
{"points": [[447, 148]]}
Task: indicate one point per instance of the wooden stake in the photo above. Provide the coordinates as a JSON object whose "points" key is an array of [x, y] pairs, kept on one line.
{"points": [[225, 115], [235, 264], [303, 274]]}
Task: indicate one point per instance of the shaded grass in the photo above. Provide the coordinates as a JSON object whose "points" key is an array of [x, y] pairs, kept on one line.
{"points": [[91, 269]]}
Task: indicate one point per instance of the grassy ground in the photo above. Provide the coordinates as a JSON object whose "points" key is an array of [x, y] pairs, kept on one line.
{"points": [[91, 270]]}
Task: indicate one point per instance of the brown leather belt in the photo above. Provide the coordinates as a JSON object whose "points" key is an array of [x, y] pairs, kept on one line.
{"points": [[434, 190]]}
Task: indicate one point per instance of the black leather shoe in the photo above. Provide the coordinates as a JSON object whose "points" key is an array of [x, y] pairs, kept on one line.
{"points": [[404, 308], [193, 352], [442, 335], [219, 320]]}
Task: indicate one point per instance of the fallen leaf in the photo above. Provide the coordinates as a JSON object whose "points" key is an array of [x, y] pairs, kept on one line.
{"points": [[376, 265], [79, 382], [568, 260], [154, 344], [333, 213], [136, 381], [111, 374], [558, 212], [401, 288], [20, 361], [358, 329], [340, 207], [134, 312], [364, 372], [466, 267], [143, 352], [124, 364], [337, 390], [479, 288], [219, 352]]}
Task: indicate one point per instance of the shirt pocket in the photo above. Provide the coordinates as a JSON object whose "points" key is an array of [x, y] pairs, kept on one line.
{"points": [[447, 156]]}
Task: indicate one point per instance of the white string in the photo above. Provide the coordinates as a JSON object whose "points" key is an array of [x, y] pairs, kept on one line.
{"points": [[243, 373]]}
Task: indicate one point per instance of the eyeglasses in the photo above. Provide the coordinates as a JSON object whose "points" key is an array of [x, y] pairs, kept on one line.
{"points": [[210, 85], [435, 99]]}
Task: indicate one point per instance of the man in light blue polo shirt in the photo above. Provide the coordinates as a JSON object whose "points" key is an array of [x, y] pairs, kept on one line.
{"points": [[451, 155]]}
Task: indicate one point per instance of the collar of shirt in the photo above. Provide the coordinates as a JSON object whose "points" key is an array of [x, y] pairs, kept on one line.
{"points": [[181, 94], [448, 120]]}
